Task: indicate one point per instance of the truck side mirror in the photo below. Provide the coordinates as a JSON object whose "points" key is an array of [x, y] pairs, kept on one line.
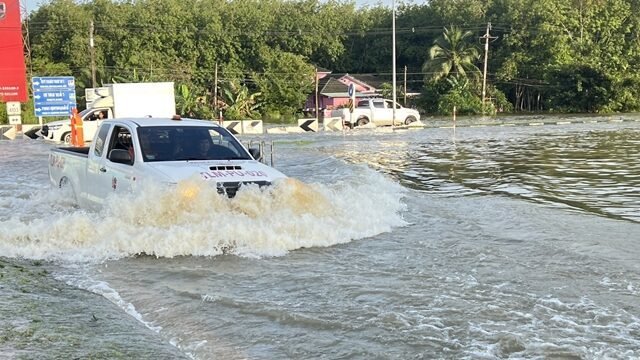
{"points": [[120, 156], [255, 152]]}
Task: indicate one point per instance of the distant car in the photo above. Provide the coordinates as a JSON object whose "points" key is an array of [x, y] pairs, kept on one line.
{"points": [[376, 111]]}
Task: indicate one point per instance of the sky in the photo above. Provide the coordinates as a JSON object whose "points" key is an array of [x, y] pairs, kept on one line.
{"points": [[30, 4]]}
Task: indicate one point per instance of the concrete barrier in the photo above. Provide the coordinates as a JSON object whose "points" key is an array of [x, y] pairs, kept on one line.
{"points": [[308, 124], [234, 126], [277, 130], [11, 132], [295, 130], [332, 124], [7, 132], [252, 127]]}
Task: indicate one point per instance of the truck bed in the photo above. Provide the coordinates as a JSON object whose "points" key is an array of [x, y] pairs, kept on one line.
{"points": [[81, 151]]}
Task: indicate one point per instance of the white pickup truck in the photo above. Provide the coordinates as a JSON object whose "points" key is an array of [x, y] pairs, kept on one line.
{"points": [[126, 153], [378, 112]]}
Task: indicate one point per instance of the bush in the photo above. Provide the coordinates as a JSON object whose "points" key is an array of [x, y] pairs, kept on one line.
{"points": [[501, 102], [465, 102]]}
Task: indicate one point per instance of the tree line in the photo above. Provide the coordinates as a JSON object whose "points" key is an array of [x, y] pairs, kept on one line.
{"points": [[258, 58]]}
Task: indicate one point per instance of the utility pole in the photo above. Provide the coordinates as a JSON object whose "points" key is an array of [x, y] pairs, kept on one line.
{"points": [[93, 56], [484, 74], [316, 100], [24, 13], [405, 85], [393, 63], [215, 88]]}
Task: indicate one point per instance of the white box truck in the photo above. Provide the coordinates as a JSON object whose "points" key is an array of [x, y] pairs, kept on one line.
{"points": [[117, 101]]}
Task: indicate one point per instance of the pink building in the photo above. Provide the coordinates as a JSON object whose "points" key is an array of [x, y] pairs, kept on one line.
{"points": [[333, 91]]}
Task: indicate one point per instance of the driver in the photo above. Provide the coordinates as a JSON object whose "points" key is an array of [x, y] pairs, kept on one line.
{"points": [[204, 148]]}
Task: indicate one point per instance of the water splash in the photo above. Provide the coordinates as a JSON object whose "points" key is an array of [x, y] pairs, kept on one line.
{"points": [[193, 219]]}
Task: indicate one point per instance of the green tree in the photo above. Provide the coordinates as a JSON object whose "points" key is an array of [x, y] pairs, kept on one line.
{"points": [[283, 81], [578, 89], [452, 53], [191, 105], [239, 103], [462, 96]]}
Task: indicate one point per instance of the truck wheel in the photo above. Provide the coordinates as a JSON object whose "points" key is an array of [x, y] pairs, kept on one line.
{"points": [[409, 120], [66, 186], [66, 138], [362, 121], [64, 183]]}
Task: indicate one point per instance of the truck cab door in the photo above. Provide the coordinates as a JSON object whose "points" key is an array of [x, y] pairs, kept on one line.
{"points": [[93, 119], [382, 112], [108, 173]]}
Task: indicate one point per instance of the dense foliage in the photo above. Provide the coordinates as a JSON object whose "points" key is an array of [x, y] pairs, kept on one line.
{"points": [[251, 58]]}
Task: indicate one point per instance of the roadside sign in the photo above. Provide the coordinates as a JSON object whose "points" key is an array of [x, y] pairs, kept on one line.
{"points": [[15, 120], [54, 95], [352, 98], [53, 82], [13, 108], [54, 110]]}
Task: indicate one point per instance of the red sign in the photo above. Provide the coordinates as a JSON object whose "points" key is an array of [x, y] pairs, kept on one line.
{"points": [[13, 80]]}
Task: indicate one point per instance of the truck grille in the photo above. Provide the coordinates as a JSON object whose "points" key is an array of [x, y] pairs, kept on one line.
{"points": [[231, 188], [225, 167]]}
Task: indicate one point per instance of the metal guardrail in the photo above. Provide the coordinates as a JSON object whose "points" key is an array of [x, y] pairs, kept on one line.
{"points": [[265, 158]]}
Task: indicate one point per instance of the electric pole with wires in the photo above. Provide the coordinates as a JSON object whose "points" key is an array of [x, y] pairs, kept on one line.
{"points": [[486, 37]]}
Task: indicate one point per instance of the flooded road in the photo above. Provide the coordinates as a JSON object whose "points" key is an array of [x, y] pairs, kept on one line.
{"points": [[489, 243]]}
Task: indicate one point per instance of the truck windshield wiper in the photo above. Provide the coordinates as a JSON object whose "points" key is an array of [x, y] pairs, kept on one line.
{"points": [[190, 158], [236, 158], [217, 159]]}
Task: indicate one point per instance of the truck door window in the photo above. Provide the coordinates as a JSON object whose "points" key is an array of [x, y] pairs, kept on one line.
{"points": [[378, 105], [121, 140], [97, 115], [363, 104], [101, 140]]}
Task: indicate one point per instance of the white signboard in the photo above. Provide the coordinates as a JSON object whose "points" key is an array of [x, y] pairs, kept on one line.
{"points": [[13, 108], [15, 120]]}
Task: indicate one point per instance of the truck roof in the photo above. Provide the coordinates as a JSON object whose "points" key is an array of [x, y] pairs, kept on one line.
{"points": [[147, 121]]}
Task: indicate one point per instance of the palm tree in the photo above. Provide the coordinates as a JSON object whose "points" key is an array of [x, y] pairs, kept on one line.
{"points": [[451, 54]]}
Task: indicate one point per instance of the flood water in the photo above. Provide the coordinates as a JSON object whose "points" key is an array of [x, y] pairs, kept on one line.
{"points": [[493, 242]]}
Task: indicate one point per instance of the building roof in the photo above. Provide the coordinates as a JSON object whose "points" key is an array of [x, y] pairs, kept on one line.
{"points": [[332, 85], [339, 87]]}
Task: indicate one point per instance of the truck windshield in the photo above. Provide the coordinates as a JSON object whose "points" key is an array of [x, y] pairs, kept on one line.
{"points": [[180, 143]]}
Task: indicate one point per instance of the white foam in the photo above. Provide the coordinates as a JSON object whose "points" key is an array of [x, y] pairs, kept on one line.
{"points": [[102, 288], [193, 219]]}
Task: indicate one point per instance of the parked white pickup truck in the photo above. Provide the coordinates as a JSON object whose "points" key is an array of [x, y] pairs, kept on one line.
{"points": [[126, 153], [378, 112]]}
